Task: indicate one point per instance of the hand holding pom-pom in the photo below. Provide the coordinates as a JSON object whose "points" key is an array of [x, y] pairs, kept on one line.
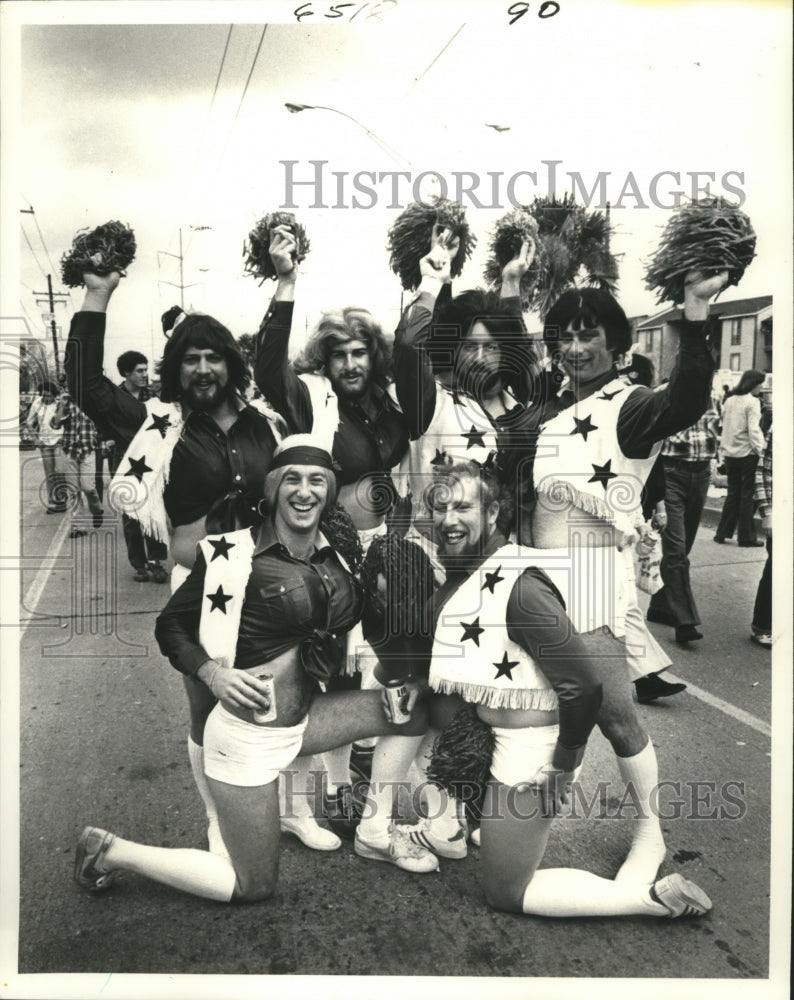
{"points": [[102, 251], [269, 233]]}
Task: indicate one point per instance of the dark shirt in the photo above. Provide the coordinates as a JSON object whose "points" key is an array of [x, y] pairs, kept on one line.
{"points": [[535, 623], [288, 602], [363, 445], [211, 471]]}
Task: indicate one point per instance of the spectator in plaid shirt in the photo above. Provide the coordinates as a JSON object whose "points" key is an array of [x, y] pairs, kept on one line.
{"points": [[144, 553], [78, 444], [686, 459], [762, 612]]}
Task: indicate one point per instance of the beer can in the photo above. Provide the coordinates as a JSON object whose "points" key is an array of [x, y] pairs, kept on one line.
{"points": [[268, 714], [397, 693]]}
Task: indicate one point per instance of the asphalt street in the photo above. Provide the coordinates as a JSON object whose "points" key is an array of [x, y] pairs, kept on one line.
{"points": [[103, 723]]}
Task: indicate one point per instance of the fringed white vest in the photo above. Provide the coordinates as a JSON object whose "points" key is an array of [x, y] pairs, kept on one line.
{"points": [[325, 408], [139, 484], [459, 431], [473, 656], [580, 464]]}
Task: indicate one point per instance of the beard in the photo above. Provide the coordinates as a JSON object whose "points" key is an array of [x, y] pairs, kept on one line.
{"points": [[345, 390], [206, 402], [478, 380]]}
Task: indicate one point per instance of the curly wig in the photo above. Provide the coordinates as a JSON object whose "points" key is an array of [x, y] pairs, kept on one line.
{"points": [[204, 333], [452, 322], [338, 326]]}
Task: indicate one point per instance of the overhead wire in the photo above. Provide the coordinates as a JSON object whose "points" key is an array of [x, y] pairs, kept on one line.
{"points": [[436, 58]]}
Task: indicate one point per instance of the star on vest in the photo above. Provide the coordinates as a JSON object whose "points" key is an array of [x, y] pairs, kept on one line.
{"points": [[138, 486], [579, 462]]}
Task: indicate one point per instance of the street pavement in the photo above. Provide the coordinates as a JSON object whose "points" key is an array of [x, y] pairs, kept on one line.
{"points": [[103, 722]]}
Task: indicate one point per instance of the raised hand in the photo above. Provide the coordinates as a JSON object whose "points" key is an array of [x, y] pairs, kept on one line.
{"points": [[282, 251]]}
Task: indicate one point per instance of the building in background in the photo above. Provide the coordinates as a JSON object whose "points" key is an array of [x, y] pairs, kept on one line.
{"points": [[743, 339]]}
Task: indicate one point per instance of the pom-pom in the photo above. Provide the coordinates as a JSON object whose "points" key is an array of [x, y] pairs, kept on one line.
{"points": [[460, 760], [410, 237], [115, 244], [506, 239], [256, 249], [709, 235]]}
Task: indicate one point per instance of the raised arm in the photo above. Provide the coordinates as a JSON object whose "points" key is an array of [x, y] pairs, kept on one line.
{"points": [[117, 413], [414, 380], [647, 416], [273, 374]]}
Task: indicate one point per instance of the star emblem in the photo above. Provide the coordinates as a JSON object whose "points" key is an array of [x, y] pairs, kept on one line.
{"points": [[491, 580], [219, 600], [441, 458], [160, 424], [472, 631], [609, 395], [221, 548], [602, 474], [505, 667], [583, 427], [474, 437], [138, 468]]}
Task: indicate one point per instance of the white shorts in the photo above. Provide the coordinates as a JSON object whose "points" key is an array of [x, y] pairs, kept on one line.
{"points": [[242, 753], [518, 754]]}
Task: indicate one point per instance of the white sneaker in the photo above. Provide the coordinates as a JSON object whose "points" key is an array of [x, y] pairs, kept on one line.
{"points": [[474, 836], [680, 897], [398, 850], [425, 835], [309, 832]]}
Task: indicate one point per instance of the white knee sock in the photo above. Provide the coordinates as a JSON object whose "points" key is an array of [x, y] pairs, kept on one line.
{"points": [[198, 872], [641, 775], [196, 755], [337, 764], [441, 808], [300, 789], [573, 892], [391, 760]]}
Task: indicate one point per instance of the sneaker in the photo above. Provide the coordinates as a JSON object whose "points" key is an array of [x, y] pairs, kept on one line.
{"points": [[680, 897], [342, 810], [454, 847], [157, 572], [399, 850], [652, 686], [310, 833], [687, 633], [660, 617], [762, 639], [92, 845], [474, 836], [141, 576]]}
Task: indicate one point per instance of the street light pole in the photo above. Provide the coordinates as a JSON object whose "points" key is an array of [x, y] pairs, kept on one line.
{"points": [[400, 160]]}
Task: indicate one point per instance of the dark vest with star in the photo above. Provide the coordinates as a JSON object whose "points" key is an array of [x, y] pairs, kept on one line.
{"points": [[579, 463], [473, 656], [459, 431]]}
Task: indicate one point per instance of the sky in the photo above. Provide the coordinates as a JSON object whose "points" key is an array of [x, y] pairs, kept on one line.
{"points": [[181, 128]]}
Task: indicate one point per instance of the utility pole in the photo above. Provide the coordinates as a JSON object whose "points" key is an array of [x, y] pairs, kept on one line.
{"points": [[50, 299], [180, 257]]}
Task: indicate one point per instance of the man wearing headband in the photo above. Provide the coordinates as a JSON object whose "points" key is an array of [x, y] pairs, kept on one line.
{"points": [[338, 389], [196, 458], [261, 620]]}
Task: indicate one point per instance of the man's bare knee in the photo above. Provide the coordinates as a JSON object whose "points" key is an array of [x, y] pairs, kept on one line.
{"points": [[503, 897]]}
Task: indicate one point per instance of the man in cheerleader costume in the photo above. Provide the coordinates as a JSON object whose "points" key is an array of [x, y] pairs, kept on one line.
{"points": [[503, 642], [592, 461], [195, 463], [464, 370], [337, 389]]}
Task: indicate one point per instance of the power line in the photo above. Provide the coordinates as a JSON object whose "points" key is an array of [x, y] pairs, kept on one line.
{"points": [[220, 69], [437, 57], [30, 247], [251, 73]]}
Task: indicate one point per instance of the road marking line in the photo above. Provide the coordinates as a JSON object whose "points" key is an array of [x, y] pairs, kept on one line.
{"points": [[35, 591], [724, 706]]}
